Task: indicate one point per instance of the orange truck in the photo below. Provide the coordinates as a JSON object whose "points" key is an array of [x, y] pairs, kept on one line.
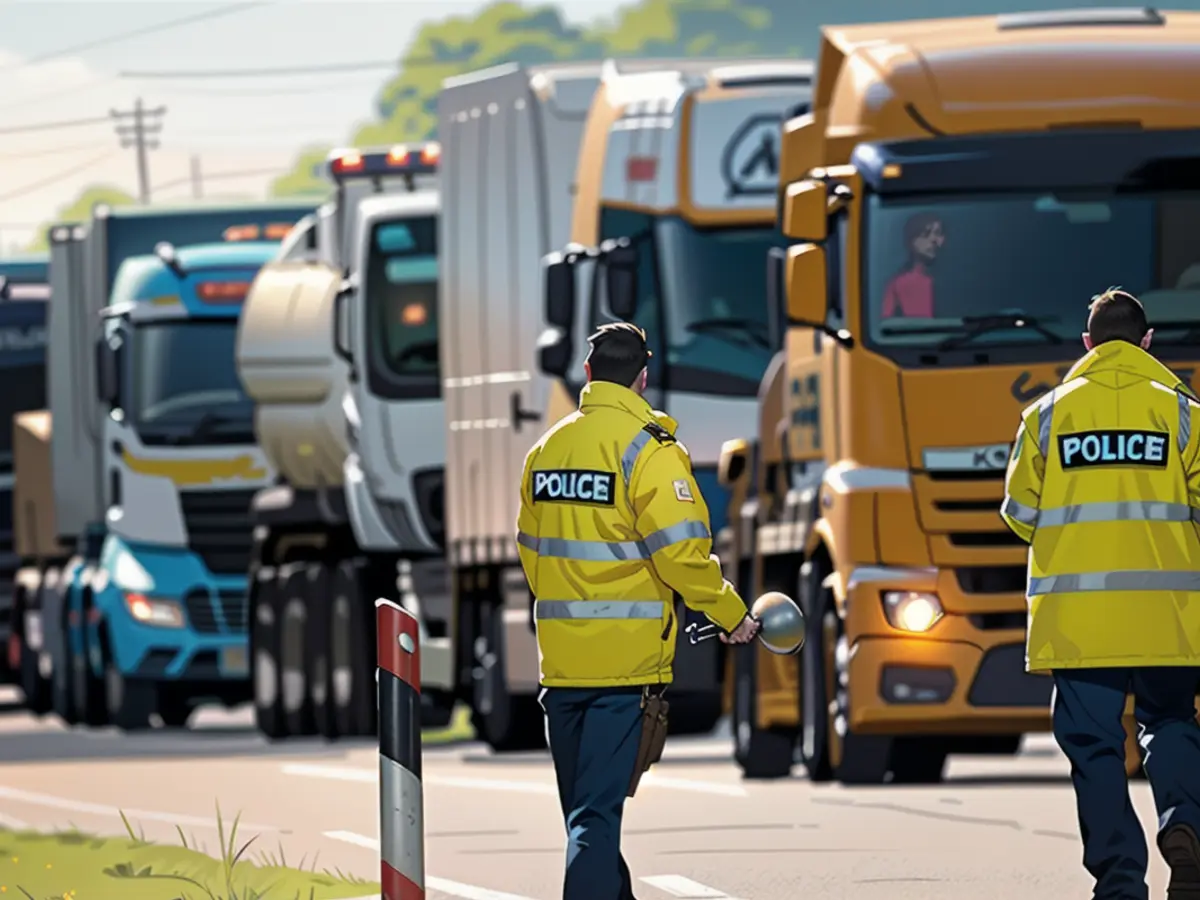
{"points": [[958, 192]]}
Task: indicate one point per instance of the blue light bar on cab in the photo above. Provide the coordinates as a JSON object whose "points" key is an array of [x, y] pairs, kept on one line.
{"points": [[403, 159]]}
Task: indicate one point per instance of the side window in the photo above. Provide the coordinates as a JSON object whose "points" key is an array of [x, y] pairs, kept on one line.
{"points": [[617, 223]]}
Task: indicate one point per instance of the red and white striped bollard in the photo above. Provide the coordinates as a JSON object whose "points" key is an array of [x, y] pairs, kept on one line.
{"points": [[401, 803]]}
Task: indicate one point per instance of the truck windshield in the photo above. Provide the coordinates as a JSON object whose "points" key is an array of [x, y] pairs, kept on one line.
{"points": [[701, 300], [401, 292], [184, 384], [986, 273]]}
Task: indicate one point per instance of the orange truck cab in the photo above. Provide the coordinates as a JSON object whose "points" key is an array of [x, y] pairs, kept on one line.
{"points": [[958, 192]]}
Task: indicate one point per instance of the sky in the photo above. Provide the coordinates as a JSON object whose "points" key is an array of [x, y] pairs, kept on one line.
{"points": [[231, 125]]}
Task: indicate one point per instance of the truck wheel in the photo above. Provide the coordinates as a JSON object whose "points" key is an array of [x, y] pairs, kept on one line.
{"points": [[318, 622], [34, 685], [88, 689], [264, 655], [130, 701], [759, 752], [815, 688], [352, 652], [851, 758], [295, 650], [506, 722]]}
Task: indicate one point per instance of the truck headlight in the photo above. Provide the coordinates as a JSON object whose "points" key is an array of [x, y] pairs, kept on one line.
{"points": [[912, 611], [130, 575], [154, 611]]}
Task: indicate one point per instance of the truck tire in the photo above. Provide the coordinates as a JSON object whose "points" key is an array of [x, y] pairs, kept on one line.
{"points": [[130, 701], [318, 624], [32, 680], [760, 753], [847, 757], [295, 650], [264, 655], [87, 688], [352, 652], [504, 721]]}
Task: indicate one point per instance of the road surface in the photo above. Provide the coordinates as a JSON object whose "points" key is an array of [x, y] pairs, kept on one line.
{"points": [[998, 828]]}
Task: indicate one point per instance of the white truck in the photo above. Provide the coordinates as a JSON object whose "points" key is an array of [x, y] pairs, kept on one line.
{"points": [[338, 346], [151, 466], [673, 227]]}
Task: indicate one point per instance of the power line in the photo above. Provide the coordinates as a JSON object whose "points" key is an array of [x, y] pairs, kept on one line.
{"points": [[275, 92], [52, 126], [62, 92], [218, 176], [57, 177], [138, 32], [392, 64], [142, 136], [48, 151]]}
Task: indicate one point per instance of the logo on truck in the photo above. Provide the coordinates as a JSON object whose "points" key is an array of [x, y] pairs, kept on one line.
{"points": [[750, 161]]}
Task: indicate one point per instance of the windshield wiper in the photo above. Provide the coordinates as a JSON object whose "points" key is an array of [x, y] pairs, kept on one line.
{"points": [[754, 331], [203, 427], [976, 326]]}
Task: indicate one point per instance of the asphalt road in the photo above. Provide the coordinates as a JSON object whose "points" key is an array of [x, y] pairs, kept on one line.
{"points": [[997, 828]]}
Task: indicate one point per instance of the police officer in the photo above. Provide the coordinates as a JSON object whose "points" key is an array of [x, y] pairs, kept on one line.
{"points": [[1104, 484], [612, 526]]}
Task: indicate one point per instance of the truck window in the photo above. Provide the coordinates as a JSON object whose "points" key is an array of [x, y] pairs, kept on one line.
{"points": [[184, 384], [933, 265], [618, 223], [401, 307]]}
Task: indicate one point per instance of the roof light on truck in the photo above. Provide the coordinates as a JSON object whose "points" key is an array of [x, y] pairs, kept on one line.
{"points": [[236, 233], [405, 160], [222, 292], [277, 231], [344, 161]]}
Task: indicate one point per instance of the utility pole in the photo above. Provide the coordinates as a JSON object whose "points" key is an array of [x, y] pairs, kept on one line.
{"points": [[197, 180], [142, 134]]}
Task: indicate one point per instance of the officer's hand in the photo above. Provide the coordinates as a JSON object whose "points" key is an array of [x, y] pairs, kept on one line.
{"points": [[744, 633]]}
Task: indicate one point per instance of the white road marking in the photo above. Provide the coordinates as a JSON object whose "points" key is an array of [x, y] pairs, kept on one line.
{"points": [[97, 809], [678, 886], [370, 776], [7, 821], [453, 888]]}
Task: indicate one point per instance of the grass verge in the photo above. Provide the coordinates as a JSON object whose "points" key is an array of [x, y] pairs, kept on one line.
{"points": [[457, 732], [73, 865]]}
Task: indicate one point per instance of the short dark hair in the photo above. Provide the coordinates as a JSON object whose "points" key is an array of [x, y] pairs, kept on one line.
{"points": [[1116, 315], [618, 353], [918, 224]]}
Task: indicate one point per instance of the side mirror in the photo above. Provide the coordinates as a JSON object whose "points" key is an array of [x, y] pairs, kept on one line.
{"points": [[806, 211], [342, 324], [559, 281], [733, 462], [555, 351], [807, 285], [776, 296], [108, 376], [621, 282]]}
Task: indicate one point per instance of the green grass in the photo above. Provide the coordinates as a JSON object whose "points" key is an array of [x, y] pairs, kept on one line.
{"points": [[72, 865], [458, 731]]}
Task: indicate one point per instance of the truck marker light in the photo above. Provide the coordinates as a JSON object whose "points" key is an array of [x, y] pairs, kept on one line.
{"points": [[349, 161], [414, 314], [277, 231], [431, 153], [236, 233], [641, 168], [398, 156], [912, 611], [892, 170], [222, 291]]}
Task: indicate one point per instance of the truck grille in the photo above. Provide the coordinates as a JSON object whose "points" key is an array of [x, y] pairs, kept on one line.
{"points": [[429, 490], [224, 613], [219, 528]]}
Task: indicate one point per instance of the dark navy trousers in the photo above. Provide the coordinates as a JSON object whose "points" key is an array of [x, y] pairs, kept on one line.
{"points": [[593, 736], [1088, 709]]}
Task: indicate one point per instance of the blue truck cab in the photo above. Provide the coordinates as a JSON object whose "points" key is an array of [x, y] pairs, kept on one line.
{"points": [[166, 625]]}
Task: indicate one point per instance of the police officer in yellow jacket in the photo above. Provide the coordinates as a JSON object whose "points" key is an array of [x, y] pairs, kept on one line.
{"points": [[612, 526], [1104, 484]]}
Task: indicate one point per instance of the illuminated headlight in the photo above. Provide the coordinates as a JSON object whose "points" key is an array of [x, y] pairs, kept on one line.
{"points": [[353, 419], [912, 611], [128, 574], [153, 611]]}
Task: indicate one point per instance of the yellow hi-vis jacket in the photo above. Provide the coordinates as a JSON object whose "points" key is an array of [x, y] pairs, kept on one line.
{"points": [[612, 526], [1104, 484]]}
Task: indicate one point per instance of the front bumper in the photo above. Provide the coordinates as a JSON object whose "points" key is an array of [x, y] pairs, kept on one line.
{"points": [[966, 675], [384, 525]]}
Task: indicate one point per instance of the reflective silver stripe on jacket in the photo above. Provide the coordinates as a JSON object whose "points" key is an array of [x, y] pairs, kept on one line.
{"points": [[1153, 580], [1185, 419], [629, 457], [598, 609], [614, 551], [1116, 511], [1045, 417], [1026, 515]]}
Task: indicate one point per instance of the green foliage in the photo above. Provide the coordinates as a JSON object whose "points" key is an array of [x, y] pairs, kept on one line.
{"points": [[80, 210], [305, 178]]}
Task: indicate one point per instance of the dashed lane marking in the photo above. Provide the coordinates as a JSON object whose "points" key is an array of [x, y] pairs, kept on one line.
{"points": [[432, 883], [369, 776], [99, 809], [678, 886]]}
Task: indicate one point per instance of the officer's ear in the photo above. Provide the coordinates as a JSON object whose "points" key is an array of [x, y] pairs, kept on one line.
{"points": [[642, 378], [1087, 342], [587, 370], [1145, 345]]}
